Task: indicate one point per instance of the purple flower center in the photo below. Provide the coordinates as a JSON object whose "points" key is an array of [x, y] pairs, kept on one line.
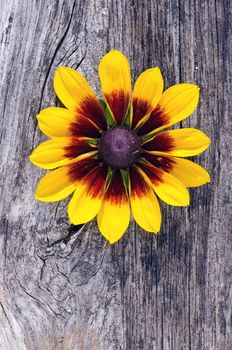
{"points": [[119, 147]]}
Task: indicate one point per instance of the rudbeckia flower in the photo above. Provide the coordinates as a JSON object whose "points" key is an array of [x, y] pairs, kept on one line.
{"points": [[113, 155]]}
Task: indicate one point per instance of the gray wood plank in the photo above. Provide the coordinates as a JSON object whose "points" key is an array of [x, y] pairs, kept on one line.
{"points": [[65, 290]]}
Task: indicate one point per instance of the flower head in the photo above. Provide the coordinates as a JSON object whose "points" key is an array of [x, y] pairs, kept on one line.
{"points": [[114, 154]]}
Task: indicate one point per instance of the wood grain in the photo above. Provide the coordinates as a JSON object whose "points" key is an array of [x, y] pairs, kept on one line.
{"points": [[65, 290]]}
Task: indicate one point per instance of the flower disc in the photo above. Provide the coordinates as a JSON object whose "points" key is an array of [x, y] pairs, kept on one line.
{"points": [[119, 147]]}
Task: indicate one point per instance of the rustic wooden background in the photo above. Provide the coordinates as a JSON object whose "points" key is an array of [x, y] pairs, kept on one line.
{"points": [[65, 290]]}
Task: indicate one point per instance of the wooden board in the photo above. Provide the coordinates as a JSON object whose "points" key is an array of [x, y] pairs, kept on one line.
{"points": [[66, 290]]}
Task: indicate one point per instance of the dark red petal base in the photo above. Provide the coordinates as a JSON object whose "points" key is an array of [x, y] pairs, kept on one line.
{"points": [[77, 147], [95, 180], [157, 119], [118, 102], [91, 109], [116, 192], [138, 185], [84, 127], [79, 169], [164, 163], [163, 142], [140, 109]]}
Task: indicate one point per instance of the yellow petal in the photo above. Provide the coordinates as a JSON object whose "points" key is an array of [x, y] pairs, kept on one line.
{"points": [[60, 122], [144, 204], [147, 92], [59, 183], [55, 121], [188, 172], [88, 196], [176, 104], [166, 186], [60, 151], [55, 185], [76, 94], [71, 87], [114, 74], [114, 215], [181, 143]]}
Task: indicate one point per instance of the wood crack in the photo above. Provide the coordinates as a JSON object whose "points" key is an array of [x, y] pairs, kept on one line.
{"points": [[51, 64]]}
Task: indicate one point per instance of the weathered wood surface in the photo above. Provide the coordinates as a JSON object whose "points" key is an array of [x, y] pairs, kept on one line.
{"points": [[60, 290]]}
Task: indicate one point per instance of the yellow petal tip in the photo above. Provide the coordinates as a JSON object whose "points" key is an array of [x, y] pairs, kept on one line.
{"points": [[38, 198], [193, 86], [207, 180], [61, 68], [31, 158], [111, 242], [39, 116]]}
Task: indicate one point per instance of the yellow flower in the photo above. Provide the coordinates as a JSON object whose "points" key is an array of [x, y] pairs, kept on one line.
{"points": [[112, 154]]}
